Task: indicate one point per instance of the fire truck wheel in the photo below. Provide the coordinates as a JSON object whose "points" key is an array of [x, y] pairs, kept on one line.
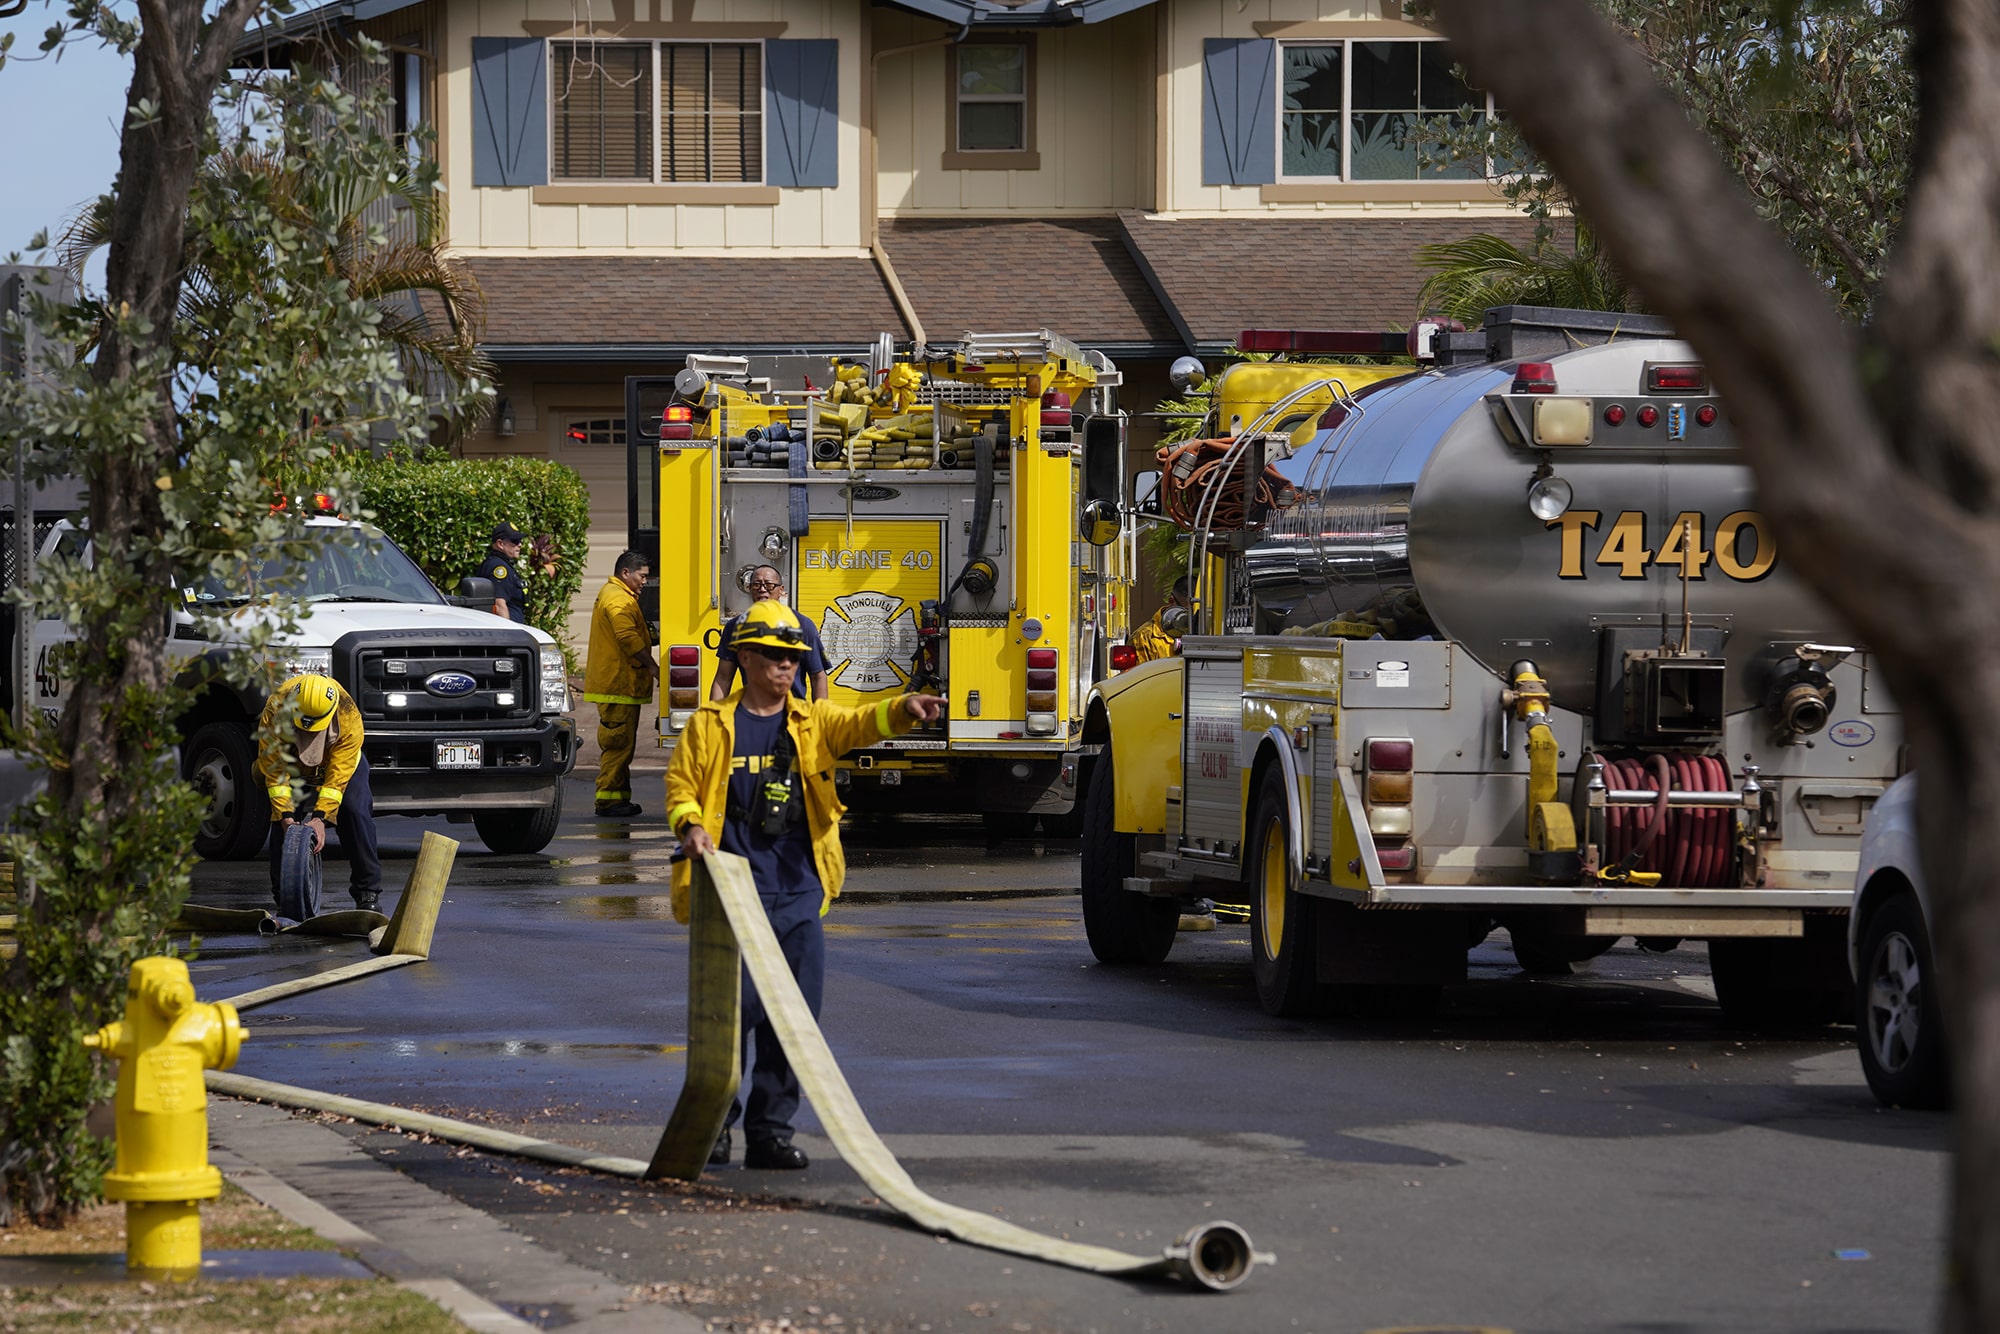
{"points": [[221, 763], [1123, 927], [1548, 955], [1897, 1022], [1796, 982], [520, 832], [1281, 919]]}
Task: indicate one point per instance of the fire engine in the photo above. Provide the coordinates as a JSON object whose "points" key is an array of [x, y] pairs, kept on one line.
{"points": [[1505, 640], [954, 519]]}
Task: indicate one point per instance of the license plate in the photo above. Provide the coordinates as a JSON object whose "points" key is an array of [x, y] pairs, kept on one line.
{"points": [[459, 754]]}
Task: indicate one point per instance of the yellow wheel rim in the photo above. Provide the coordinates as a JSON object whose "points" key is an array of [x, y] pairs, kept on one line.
{"points": [[1274, 888]]}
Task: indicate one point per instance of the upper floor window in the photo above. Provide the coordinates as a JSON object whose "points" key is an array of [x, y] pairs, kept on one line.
{"points": [[656, 111], [1350, 110], [992, 97]]}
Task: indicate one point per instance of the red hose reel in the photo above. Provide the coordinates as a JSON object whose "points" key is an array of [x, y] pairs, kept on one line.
{"points": [[1690, 847]]}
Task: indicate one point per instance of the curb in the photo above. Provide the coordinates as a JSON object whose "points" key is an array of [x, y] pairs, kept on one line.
{"points": [[458, 1301]]}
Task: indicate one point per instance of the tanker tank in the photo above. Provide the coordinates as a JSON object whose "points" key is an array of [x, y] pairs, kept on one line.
{"points": [[1413, 518]]}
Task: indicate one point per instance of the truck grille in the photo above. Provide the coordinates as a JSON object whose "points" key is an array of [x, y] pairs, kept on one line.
{"points": [[421, 681]]}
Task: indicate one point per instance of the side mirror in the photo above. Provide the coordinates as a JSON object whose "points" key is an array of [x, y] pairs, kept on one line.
{"points": [[1146, 492], [474, 592], [1100, 523], [1187, 375]]}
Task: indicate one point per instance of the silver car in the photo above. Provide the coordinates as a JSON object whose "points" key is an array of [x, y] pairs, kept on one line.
{"points": [[1897, 1023]]}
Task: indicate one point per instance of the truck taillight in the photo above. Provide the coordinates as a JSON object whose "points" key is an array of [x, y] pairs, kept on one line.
{"points": [[1124, 657], [1043, 666], [1535, 377], [684, 677], [1389, 783], [677, 422], [1675, 377]]}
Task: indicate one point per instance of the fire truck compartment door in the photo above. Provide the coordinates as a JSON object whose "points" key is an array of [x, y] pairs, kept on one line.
{"points": [[863, 586]]}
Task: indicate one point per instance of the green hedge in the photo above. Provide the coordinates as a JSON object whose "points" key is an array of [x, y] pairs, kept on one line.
{"points": [[442, 511]]}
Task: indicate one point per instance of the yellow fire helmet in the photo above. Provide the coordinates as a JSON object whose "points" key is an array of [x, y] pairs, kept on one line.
{"points": [[769, 624], [317, 698]]}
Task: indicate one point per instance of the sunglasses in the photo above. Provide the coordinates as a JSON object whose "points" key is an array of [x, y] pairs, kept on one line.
{"points": [[764, 586], [782, 655]]}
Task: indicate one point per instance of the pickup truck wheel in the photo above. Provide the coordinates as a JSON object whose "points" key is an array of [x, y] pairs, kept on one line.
{"points": [[1795, 983], [1282, 920], [518, 832], [1896, 1019], [222, 765], [1123, 927]]}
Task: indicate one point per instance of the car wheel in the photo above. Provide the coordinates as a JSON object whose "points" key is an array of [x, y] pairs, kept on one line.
{"points": [[1122, 927], [519, 832], [1282, 920], [1897, 1023], [222, 765]]}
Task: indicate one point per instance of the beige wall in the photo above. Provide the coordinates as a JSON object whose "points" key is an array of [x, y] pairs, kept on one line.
{"points": [[1093, 118], [493, 221]]}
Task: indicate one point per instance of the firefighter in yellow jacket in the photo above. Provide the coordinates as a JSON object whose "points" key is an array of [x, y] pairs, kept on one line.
{"points": [[309, 756], [1156, 638], [753, 775], [618, 678]]}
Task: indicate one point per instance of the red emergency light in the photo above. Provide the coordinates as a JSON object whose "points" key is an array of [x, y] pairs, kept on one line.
{"points": [[1124, 657], [1676, 378], [1535, 377], [677, 422]]}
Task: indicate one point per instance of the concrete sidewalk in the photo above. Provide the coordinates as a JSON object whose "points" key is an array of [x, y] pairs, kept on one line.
{"points": [[464, 1260]]}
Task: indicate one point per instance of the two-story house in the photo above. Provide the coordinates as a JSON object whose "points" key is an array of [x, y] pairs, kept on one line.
{"points": [[632, 180]]}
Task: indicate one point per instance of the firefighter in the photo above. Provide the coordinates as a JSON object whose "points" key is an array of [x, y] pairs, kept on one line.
{"points": [[618, 678], [502, 566], [1157, 637], [311, 730], [753, 775], [766, 583]]}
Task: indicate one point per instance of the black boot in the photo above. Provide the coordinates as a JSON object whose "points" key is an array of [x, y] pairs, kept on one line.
{"points": [[719, 1155], [773, 1155], [368, 900]]}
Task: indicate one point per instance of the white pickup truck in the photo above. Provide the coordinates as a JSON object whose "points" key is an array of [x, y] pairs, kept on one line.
{"points": [[464, 711]]}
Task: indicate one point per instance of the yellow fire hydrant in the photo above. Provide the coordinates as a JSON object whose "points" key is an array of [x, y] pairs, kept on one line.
{"points": [[163, 1044]]}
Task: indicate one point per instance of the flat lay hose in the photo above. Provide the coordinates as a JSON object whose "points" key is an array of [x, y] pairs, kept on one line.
{"points": [[1216, 1255]]}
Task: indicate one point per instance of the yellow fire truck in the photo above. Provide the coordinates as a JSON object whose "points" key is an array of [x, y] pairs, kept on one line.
{"points": [[949, 516]]}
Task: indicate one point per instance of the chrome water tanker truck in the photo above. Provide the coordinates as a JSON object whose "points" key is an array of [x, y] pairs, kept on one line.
{"points": [[1505, 641]]}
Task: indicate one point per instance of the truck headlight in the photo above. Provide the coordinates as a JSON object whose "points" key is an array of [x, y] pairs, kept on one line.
{"points": [[555, 681]]}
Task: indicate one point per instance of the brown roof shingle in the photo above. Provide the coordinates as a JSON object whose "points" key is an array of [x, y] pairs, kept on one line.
{"points": [[675, 303], [1073, 276], [1224, 275]]}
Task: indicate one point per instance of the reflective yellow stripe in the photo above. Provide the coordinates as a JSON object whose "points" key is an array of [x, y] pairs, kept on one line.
{"points": [[687, 810], [882, 715], [280, 794]]}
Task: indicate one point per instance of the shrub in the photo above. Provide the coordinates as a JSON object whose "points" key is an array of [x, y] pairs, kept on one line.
{"points": [[442, 511]]}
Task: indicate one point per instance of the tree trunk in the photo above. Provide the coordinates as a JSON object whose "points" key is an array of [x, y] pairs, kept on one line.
{"points": [[1876, 451]]}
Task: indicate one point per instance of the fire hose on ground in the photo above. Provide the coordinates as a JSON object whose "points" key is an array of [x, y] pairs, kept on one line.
{"points": [[729, 931]]}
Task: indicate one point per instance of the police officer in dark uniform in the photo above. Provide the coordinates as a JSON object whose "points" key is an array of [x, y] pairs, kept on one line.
{"points": [[510, 596]]}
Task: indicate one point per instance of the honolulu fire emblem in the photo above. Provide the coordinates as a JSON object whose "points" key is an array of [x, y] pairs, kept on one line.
{"points": [[870, 639]]}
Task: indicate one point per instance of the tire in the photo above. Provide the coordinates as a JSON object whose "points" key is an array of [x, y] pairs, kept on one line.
{"points": [[1897, 1024], [1548, 955], [1282, 921], [1786, 983], [519, 832], [222, 765], [1123, 928]]}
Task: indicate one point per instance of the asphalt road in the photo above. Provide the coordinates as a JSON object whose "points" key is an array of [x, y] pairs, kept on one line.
{"points": [[1596, 1153]]}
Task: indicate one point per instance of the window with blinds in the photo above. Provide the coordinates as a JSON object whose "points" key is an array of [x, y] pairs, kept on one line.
{"points": [[657, 111]]}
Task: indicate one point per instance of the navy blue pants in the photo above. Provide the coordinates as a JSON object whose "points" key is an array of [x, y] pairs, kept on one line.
{"points": [[774, 1086], [355, 824]]}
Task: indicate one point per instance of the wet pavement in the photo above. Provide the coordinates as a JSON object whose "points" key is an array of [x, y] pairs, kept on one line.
{"points": [[1588, 1153]]}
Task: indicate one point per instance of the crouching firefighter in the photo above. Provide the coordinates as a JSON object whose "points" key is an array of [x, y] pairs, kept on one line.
{"points": [[309, 754], [753, 775]]}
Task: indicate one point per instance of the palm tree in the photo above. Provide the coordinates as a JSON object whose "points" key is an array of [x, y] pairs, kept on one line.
{"points": [[382, 234], [1478, 272]]}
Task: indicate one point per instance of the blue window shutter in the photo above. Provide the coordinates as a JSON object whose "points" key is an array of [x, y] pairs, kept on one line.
{"points": [[510, 111], [802, 113], [1239, 111]]}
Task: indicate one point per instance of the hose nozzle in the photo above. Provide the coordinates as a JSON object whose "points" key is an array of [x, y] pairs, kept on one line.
{"points": [[1217, 1256]]}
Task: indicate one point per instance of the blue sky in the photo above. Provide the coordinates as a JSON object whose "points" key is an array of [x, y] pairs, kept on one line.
{"points": [[59, 127]]}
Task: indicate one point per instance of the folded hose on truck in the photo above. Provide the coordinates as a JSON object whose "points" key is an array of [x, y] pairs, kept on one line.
{"points": [[1191, 470]]}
